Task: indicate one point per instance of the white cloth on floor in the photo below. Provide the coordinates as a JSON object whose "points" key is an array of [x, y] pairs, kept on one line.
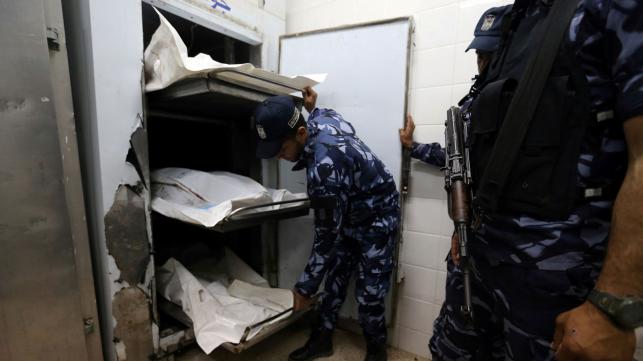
{"points": [[221, 313], [207, 198], [166, 61]]}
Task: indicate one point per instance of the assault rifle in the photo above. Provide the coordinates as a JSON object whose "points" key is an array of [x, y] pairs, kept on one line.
{"points": [[457, 182]]}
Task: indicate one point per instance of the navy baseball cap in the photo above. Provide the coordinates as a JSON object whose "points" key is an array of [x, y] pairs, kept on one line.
{"points": [[489, 29], [274, 118]]}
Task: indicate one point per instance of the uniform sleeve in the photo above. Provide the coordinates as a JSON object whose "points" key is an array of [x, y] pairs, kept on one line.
{"points": [[429, 153], [611, 54], [327, 184], [624, 38]]}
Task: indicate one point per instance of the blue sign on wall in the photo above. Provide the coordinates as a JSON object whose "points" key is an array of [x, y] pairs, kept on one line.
{"points": [[220, 4]]}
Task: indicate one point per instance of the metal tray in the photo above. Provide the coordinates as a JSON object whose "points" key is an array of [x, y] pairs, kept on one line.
{"points": [[242, 218], [176, 339], [209, 98]]}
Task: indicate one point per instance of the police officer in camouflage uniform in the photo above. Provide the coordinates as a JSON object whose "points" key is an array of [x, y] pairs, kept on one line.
{"points": [[564, 287], [356, 216], [486, 38], [452, 338]]}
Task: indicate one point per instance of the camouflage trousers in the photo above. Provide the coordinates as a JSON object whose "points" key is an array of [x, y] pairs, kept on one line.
{"points": [[370, 255], [515, 308]]}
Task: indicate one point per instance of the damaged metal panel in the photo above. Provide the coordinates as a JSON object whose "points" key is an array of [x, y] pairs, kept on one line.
{"points": [[128, 242], [131, 310], [74, 193], [41, 312], [106, 49], [126, 234]]}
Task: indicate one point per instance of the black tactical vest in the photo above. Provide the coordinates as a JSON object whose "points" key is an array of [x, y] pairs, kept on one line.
{"points": [[542, 180]]}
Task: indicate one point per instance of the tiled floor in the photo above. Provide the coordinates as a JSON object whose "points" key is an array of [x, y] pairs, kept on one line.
{"points": [[348, 347]]}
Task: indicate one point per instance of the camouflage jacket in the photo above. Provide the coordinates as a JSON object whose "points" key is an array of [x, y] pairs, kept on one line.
{"points": [[606, 37], [341, 169]]}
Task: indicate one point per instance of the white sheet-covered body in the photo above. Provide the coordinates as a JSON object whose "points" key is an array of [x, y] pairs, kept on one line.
{"points": [[167, 61], [206, 198], [222, 297]]}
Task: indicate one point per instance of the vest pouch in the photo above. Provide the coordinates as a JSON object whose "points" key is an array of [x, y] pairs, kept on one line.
{"points": [[543, 178], [542, 181], [487, 112]]}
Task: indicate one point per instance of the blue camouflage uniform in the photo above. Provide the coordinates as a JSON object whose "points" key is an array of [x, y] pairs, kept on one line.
{"points": [[431, 153], [360, 229], [452, 338], [527, 271], [434, 153]]}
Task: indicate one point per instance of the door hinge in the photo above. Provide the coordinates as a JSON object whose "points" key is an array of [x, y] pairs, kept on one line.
{"points": [[88, 325], [53, 41]]}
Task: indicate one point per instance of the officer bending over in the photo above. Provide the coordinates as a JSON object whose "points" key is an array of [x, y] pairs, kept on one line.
{"points": [[356, 216]]}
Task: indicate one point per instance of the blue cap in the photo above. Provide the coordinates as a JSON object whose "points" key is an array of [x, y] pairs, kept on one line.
{"points": [[274, 118], [489, 29]]}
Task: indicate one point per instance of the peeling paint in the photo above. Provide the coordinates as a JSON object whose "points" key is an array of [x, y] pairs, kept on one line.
{"points": [[127, 236], [130, 265], [134, 326]]}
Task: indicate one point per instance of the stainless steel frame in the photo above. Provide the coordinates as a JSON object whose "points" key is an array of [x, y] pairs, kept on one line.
{"points": [[47, 299]]}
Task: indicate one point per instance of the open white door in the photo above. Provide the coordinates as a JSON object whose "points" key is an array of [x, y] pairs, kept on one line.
{"points": [[368, 67]]}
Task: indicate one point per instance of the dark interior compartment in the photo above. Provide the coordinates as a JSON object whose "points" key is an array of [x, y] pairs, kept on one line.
{"points": [[197, 38], [201, 145], [204, 146]]}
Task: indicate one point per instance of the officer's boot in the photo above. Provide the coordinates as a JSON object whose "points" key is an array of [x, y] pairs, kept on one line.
{"points": [[375, 352], [320, 344]]}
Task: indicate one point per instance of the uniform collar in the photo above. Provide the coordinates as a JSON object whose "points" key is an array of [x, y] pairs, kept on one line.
{"points": [[308, 150]]}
